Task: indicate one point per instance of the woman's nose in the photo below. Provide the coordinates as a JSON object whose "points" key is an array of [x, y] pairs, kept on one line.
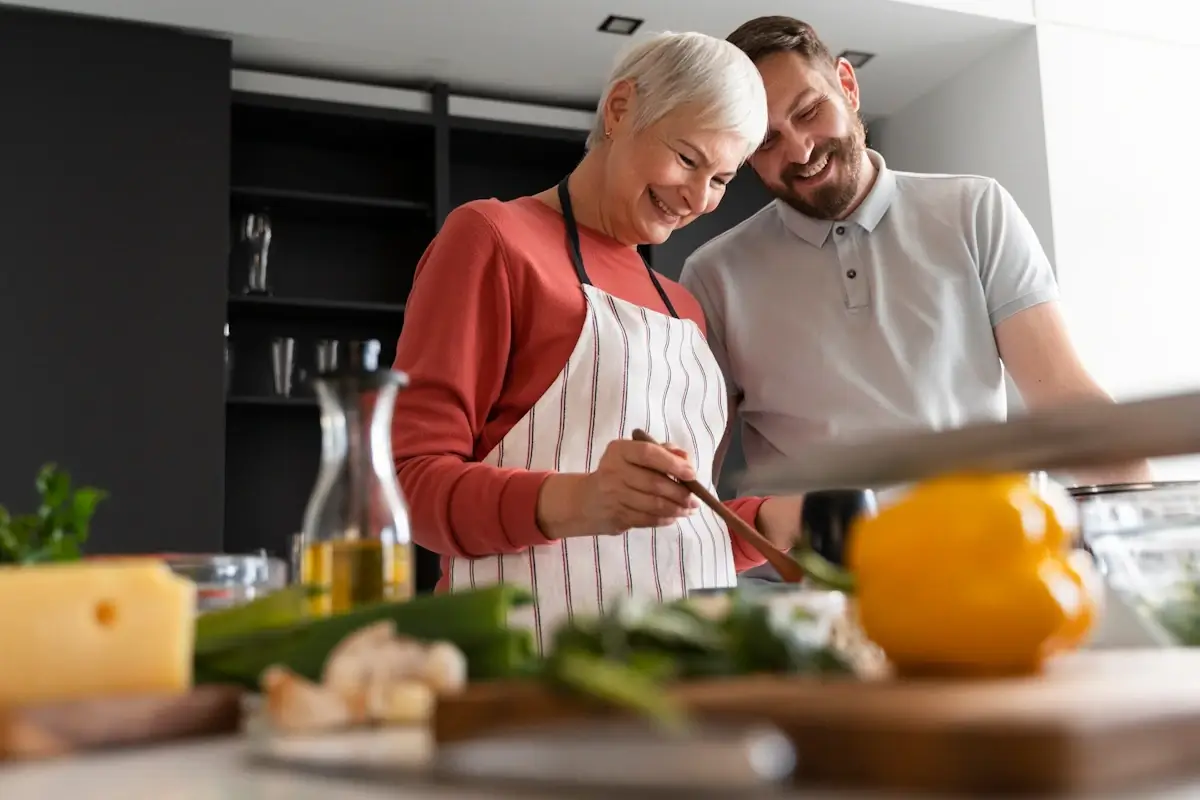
{"points": [[695, 196]]}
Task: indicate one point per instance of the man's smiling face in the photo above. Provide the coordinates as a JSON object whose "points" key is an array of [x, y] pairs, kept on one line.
{"points": [[813, 153]]}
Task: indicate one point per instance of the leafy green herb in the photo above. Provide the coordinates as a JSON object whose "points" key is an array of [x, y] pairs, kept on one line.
{"points": [[622, 685], [823, 573], [627, 655], [58, 529], [1180, 614]]}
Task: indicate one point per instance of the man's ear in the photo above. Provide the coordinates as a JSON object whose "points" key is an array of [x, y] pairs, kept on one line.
{"points": [[848, 82]]}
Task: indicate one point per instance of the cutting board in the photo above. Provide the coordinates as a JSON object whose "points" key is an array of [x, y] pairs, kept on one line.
{"points": [[1093, 720], [57, 729]]}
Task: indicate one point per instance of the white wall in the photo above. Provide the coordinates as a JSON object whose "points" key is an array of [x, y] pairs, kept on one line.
{"points": [[1119, 111], [1086, 120], [984, 121], [1165, 20], [1015, 10]]}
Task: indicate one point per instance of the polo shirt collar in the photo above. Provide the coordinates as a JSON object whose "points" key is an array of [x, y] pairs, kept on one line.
{"points": [[866, 216]]}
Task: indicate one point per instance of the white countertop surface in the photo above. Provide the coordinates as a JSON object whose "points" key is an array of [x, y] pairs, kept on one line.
{"points": [[210, 770], [223, 770]]}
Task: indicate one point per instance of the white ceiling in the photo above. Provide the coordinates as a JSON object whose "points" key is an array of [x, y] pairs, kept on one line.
{"points": [[550, 50]]}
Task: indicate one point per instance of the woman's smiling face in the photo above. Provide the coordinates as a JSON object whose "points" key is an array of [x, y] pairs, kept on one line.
{"points": [[661, 178]]}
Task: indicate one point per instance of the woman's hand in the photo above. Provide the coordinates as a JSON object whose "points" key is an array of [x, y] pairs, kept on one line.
{"points": [[629, 489]]}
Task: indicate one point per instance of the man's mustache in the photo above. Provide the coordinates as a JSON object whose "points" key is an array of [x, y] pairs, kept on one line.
{"points": [[793, 170]]}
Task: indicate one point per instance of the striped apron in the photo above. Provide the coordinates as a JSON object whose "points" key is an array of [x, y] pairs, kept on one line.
{"points": [[631, 368]]}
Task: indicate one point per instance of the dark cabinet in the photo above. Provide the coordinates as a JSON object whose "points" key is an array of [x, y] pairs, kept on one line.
{"points": [[113, 239]]}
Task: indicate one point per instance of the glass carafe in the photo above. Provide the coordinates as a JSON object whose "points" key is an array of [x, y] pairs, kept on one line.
{"points": [[355, 539]]}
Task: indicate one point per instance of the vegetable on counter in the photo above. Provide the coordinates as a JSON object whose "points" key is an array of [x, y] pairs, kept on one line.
{"points": [[476, 622], [373, 676], [974, 574], [627, 655], [822, 573], [57, 530], [1179, 612], [389, 662]]}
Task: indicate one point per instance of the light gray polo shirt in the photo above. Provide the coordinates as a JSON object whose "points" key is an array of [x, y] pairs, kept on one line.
{"points": [[879, 322]]}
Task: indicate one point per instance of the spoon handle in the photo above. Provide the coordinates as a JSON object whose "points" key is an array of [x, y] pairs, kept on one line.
{"points": [[787, 568]]}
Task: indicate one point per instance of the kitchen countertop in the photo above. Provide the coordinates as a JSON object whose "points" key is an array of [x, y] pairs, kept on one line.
{"points": [[223, 770]]}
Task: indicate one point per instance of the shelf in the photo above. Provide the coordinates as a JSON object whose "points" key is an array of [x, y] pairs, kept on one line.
{"points": [[262, 193], [302, 306], [521, 129], [268, 400]]}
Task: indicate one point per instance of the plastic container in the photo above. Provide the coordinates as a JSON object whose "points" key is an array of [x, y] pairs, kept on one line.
{"points": [[1146, 540]]}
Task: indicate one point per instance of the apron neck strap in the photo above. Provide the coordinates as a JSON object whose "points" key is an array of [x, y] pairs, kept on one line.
{"points": [[576, 251]]}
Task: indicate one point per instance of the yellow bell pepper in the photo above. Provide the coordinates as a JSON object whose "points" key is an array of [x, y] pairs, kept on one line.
{"points": [[974, 574]]}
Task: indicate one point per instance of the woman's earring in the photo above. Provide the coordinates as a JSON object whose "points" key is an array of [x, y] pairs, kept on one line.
{"points": [[607, 134]]}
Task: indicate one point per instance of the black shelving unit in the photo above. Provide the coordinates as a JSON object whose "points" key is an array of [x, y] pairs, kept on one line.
{"points": [[350, 199], [354, 195]]}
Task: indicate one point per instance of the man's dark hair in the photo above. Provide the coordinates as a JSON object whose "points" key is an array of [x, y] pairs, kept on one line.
{"points": [[766, 36]]}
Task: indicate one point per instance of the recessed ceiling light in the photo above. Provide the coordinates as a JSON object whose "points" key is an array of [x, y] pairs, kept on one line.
{"points": [[622, 26], [857, 58]]}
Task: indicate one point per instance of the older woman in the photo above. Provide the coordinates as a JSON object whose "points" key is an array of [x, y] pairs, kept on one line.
{"points": [[512, 446]]}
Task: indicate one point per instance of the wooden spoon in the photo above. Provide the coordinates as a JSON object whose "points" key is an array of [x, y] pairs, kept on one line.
{"points": [[787, 568]]}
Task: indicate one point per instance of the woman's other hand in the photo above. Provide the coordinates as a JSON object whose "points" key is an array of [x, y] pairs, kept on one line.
{"points": [[632, 487]]}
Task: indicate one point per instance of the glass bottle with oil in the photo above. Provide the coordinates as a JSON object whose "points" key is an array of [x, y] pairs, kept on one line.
{"points": [[355, 542]]}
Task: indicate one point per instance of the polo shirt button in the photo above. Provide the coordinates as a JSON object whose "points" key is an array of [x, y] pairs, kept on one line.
{"points": [[840, 229], [852, 274]]}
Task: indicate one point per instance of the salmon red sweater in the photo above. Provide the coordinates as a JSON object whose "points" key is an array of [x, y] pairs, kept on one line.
{"points": [[494, 314]]}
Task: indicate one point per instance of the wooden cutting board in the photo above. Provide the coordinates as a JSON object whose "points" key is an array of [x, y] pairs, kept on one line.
{"points": [[57, 729], [1094, 720]]}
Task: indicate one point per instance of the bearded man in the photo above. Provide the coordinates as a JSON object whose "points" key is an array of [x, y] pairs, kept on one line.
{"points": [[864, 299]]}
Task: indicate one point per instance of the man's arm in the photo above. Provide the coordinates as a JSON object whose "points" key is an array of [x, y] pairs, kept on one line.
{"points": [[1045, 366], [1031, 334]]}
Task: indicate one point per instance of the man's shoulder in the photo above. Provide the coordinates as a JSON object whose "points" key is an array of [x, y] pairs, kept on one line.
{"points": [[735, 242], [939, 189]]}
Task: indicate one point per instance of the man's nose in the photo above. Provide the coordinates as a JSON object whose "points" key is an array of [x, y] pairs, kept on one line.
{"points": [[798, 147]]}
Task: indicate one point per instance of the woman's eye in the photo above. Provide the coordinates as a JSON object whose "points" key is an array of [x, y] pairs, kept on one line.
{"points": [[687, 162]]}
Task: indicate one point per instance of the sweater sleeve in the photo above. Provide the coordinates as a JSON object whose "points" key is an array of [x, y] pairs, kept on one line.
{"points": [[744, 556], [456, 359]]}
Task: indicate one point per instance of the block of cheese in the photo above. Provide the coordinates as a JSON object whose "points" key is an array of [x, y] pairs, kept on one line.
{"points": [[91, 630]]}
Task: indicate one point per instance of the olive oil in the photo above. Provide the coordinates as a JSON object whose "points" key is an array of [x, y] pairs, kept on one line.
{"points": [[356, 572]]}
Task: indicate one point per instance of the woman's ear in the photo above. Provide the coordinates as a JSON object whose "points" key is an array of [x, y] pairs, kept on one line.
{"points": [[618, 106]]}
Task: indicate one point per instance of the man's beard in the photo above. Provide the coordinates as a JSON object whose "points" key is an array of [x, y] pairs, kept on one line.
{"points": [[832, 199]]}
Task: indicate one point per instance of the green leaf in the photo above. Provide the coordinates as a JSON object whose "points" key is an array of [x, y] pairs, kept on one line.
{"points": [[59, 527], [822, 573], [618, 684], [53, 485], [83, 507]]}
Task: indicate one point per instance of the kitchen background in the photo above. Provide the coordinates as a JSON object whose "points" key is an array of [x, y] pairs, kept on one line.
{"points": [[149, 149]]}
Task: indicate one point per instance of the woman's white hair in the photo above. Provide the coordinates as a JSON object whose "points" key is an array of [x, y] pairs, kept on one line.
{"points": [[671, 70]]}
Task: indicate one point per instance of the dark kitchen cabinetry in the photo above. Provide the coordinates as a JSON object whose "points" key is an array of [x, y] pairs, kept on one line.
{"points": [[349, 199], [353, 194], [115, 148]]}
